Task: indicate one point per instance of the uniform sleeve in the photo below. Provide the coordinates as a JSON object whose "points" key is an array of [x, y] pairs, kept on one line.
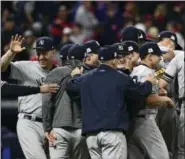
{"points": [[13, 90], [137, 90], [136, 96], [75, 84], [19, 69], [171, 70]]}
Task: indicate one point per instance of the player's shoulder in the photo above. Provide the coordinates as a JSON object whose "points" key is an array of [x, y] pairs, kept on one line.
{"points": [[26, 63], [180, 56], [179, 53], [121, 73], [63, 69], [60, 71], [141, 70]]}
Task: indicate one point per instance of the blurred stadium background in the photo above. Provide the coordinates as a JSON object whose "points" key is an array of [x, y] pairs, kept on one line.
{"points": [[76, 22]]}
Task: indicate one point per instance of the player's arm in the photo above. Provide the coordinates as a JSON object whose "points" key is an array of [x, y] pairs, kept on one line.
{"points": [[145, 92], [156, 101], [74, 84], [137, 90], [20, 90], [169, 74], [15, 48]]}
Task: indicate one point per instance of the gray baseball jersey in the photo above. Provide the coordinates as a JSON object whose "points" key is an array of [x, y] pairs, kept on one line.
{"points": [[139, 74], [29, 73], [176, 67]]}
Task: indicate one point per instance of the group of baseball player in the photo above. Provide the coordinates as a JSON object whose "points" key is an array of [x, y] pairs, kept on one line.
{"points": [[103, 102]]}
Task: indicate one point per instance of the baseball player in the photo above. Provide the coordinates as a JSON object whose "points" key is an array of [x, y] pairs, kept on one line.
{"points": [[64, 52], [146, 133], [176, 67], [132, 49], [33, 73], [122, 66], [167, 39], [62, 115], [133, 34], [91, 60], [166, 118]]}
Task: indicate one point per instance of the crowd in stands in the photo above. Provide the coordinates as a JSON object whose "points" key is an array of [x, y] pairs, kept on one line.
{"points": [[77, 22]]}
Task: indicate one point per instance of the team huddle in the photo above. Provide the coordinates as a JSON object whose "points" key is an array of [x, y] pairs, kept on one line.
{"points": [[104, 101]]}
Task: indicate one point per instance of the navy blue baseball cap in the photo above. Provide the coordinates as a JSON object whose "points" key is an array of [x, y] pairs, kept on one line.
{"points": [[170, 35], [64, 51], [131, 46], [92, 46], [149, 48], [44, 43], [143, 37], [108, 53], [76, 52], [131, 33], [167, 34], [121, 49]]}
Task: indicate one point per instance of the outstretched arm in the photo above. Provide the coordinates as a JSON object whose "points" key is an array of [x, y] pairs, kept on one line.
{"points": [[15, 48], [21, 90]]}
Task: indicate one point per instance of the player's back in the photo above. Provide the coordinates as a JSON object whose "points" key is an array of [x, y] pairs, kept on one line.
{"points": [[139, 74]]}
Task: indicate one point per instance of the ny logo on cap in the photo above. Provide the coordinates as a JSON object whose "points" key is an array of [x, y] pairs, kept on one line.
{"points": [[88, 50], [41, 42], [130, 48], [97, 43], [140, 36], [150, 50], [115, 54], [173, 37], [120, 47]]}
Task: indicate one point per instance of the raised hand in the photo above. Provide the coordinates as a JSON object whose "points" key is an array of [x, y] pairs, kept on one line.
{"points": [[16, 44]]}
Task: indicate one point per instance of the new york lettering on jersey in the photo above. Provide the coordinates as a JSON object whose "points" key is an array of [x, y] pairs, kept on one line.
{"points": [[29, 73]]}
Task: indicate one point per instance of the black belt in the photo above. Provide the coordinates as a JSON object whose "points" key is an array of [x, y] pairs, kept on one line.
{"points": [[29, 117], [141, 116]]}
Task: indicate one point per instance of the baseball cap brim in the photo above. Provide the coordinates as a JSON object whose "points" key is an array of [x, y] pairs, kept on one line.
{"points": [[41, 48]]}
